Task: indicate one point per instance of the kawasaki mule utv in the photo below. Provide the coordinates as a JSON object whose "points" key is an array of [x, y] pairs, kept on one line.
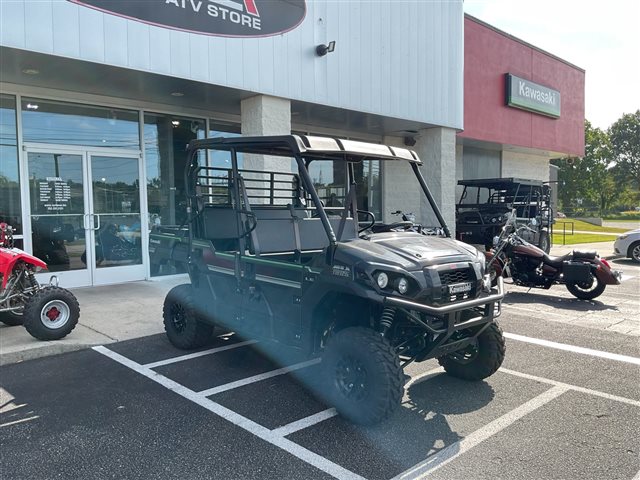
{"points": [[484, 204], [269, 260]]}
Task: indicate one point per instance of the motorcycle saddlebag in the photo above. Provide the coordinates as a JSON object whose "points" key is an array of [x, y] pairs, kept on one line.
{"points": [[576, 271], [586, 255]]}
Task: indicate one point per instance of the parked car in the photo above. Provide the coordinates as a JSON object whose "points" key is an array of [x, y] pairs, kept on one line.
{"points": [[628, 244]]}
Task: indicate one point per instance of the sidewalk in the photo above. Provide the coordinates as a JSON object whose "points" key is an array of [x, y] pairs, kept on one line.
{"points": [[107, 314], [604, 249], [130, 310]]}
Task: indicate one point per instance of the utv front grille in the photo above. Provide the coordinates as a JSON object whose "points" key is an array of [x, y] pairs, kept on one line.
{"points": [[449, 277]]}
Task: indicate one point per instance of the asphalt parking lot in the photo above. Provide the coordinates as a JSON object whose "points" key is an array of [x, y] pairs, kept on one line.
{"points": [[566, 404]]}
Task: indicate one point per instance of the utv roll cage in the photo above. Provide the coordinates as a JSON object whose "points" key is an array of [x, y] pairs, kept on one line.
{"points": [[286, 192]]}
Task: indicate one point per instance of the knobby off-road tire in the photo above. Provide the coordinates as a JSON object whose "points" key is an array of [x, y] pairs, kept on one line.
{"points": [[10, 318], [544, 241], [51, 313], [362, 375], [582, 293], [182, 321], [479, 360]]}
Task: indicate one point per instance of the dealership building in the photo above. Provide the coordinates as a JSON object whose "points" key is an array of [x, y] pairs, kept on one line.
{"points": [[99, 98]]}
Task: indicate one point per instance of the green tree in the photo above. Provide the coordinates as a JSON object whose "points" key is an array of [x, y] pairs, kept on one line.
{"points": [[625, 145], [589, 177]]}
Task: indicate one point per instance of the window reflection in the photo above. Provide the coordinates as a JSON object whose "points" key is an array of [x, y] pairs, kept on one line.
{"points": [[47, 121], [10, 211]]}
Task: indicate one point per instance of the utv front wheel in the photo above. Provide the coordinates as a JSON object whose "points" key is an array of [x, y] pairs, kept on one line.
{"points": [[363, 375], [182, 321], [51, 313], [481, 359]]}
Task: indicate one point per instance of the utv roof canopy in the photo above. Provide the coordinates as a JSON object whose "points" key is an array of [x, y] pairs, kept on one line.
{"points": [[321, 148]]}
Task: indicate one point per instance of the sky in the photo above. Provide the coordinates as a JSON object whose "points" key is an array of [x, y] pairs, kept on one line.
{"points": [[601, 37]]}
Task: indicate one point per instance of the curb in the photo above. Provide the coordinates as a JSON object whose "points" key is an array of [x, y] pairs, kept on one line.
{"points": [[46, 350]]}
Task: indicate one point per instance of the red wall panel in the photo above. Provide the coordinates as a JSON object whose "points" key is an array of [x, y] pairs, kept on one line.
{"points": [[488, 56]]}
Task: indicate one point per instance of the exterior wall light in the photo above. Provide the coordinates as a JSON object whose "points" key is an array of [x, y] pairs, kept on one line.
{"points": [[322, 50]]}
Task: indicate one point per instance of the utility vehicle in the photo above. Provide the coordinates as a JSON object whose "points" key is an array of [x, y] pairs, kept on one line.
{"points": [[268, 260], [485, 204]]}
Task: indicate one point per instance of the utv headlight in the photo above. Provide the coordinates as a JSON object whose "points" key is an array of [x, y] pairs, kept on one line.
{"points": [[382, 279], [486, 283], [403, 285]]}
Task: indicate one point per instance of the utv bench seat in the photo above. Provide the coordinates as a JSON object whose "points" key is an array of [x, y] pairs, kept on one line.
{"points": [[278, 230]]}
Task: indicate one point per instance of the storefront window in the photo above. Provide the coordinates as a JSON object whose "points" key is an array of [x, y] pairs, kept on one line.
{"points": [[221, 159], [47, 121], [165, 141], [10, 211]]}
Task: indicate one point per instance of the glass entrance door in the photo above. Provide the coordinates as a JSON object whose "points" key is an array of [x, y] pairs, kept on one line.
{"points": [[116, 238], [85, 216], [59, 215]]}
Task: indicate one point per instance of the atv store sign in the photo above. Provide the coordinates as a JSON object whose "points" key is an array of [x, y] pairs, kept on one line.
{"points": [[227, 18], [532, 97]]}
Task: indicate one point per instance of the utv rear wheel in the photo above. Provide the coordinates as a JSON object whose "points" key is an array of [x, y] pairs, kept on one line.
{"points": [[363, 375], [51, 313], [544, 242], [479, 360], [182, 322], [584, 291]]}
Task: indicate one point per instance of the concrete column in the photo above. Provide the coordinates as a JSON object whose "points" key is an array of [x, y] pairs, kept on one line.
{"points": [[400, 188], [265, 115], [436, 147]]}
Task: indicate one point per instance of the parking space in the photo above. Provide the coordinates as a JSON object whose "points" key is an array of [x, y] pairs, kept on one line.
{"points": [[566, 404]]}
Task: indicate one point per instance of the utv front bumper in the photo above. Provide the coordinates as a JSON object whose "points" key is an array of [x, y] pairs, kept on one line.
{"points": [[471, 316]]}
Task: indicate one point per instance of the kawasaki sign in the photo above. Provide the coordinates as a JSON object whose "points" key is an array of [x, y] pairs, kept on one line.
{"points": [[531, 96], [227, 18]]}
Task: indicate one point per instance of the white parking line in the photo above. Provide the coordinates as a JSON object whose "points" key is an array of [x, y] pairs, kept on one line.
{"points": [[528, 310], [588, 391], [305, 422], [257, 378], [250, 426], [573, 348], [454, 450], [190, 356]]}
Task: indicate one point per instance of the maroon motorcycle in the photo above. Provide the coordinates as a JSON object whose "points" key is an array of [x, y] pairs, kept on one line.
{"points": [[585, 274], [48, 312]]}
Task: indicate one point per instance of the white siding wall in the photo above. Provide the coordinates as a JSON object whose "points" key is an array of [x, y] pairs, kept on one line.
{"points": [[395, 58], [524, 165]]}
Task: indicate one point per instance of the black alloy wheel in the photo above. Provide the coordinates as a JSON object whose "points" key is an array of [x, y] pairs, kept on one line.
{"points": [[182, 321], [480, 359], [363, 376]]}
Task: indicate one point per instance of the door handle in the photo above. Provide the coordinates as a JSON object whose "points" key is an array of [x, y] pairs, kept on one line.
{"points": [[98, 217]]}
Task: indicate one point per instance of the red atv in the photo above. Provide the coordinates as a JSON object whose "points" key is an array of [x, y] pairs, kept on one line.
{"points": [[47, 312]]}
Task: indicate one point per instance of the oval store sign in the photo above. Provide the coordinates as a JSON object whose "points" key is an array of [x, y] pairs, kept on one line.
{"points": [[227, 18]]}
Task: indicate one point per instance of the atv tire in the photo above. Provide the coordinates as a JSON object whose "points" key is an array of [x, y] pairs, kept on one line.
{"points": [[363, 375], [10, 318], [185, 330], [51, 313], [579, 291], [479, 360]]}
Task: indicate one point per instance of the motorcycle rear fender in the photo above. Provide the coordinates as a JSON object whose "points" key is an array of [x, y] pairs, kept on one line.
{"points": [[605, 274], [10, 256]]}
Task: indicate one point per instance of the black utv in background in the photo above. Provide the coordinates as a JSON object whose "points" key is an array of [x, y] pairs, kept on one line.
{"points": [[270, 260], [484, 204]]}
